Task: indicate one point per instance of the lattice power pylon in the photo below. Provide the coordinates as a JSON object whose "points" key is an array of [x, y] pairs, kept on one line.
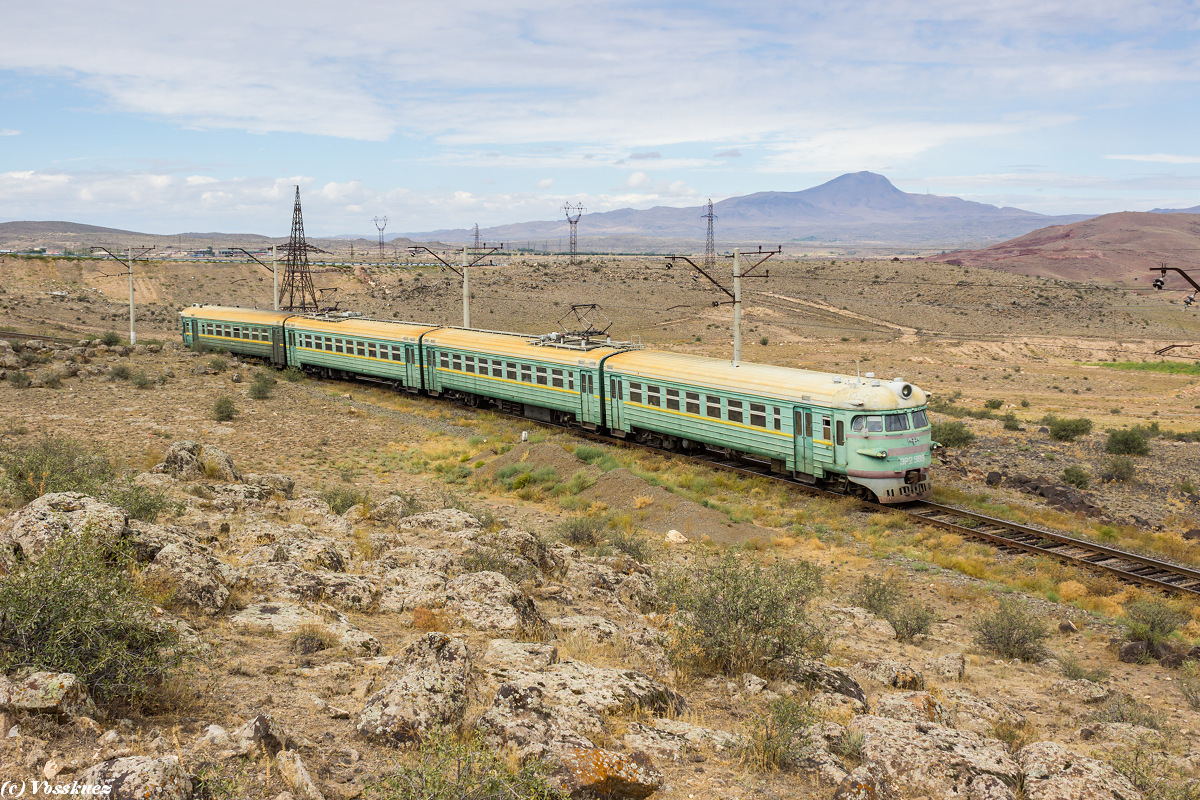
{"points": [[710, 244], [380, 223], [297, 292], [573, 214]]}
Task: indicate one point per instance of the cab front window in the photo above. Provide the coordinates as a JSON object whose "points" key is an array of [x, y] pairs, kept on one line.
{"points": [[920, 419], [896, 422]]}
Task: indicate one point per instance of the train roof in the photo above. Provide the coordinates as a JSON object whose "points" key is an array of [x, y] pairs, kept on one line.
{"points": [[358, 326], [766, 380], [256, 316], [518, 346]]}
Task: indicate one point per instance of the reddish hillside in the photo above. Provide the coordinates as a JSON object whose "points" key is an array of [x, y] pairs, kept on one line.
{"points": [[1114, 248]]}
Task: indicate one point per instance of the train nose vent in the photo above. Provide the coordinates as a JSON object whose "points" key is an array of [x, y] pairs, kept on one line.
{"points": [[906, 390]]}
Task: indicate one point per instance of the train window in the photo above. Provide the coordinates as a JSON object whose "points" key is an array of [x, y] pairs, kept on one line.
{"points": [[778, 420], [307, 340], [371, 350], [826, 429], [896, 422], [758, 415], [526, 373], [856, 424], [445, 361], [361, 347], [292, 338], [920, 420], [497, 369], [841, 432], [692, 402], [735, 410], [556, 378], [874, 424], [652, 396], [713, 406], [328, 343], [252, 334], [237, 332], [571, 380], [511, 369], [635, 392], [456, 362], [470, 364], [808, 424], [541, 376], [673, 399]]}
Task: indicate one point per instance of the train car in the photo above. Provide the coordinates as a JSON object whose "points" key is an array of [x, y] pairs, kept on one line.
{"points": [[546, 378], [868, 437], [245, 331], [340, 347]]}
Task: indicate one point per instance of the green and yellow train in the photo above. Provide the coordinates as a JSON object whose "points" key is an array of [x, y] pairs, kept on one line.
{"points": [[867, 437]]}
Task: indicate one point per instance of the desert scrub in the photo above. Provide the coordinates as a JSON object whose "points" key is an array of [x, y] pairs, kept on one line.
{"points": [[582, 531], [910, 620], [951, 434], [1189, 683], [311, 638], [1125, 709], [777, 739], [143, 503], [262, 387], [76, 609], [110, 338], [1151, 621], [1011, 631], [1067, 430], [877, 595], [1072, 669], [223, 409], [735, 615], [487, 559], [342, 500], [632, 545], [1076, 476], [218, 364], [293, 375], [54, 464], [1120, 469], [19, 380], [446, 768], [1128, 442], [1148, 765], [119, 372]]}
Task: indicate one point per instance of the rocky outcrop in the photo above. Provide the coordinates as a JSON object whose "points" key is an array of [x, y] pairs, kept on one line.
{"points": [[194, 579], [189, 461], [295, 776], [894, 673], [282, 618], [431, 690], [914, 707], [30, 531], [58, 694], [594, 772], [823, 678], [141, 778], [489, 601], [1052, 772]]}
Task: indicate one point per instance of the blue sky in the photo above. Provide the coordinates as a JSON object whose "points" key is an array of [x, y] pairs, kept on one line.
{"points": [[166, 118]]}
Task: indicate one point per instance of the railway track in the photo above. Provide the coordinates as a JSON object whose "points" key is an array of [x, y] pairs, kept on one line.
{"points": [[21, 337]]}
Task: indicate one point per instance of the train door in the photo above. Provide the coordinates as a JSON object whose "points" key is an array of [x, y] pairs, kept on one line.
{"points": [[587, 400], [615, 398], [821, 427], [412, 370], [839, 442], [278, 356], [804, 440]]}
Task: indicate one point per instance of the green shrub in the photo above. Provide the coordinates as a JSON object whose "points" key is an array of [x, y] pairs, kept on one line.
{"points": [[1129, 442], [764, 341], [119, 372], [581, 531], [993, 404], [110, 338], [293, 375], [445, 768], [76, 609], [598, 456], [1011, 631], [1123, 708], [879, 595], [55, 464], [223, 409], [1189, 683], [260, 390], [1072, 669], [1151, 621], [218, 364], [910, 620], [144, 503], [141, 381], [1068, 430], [632, 545], [342, 500], [951, 434], [777, 739], [1148, 764], [736, 615], [1076, 476], [1121, 468], [1011, 423], [487, 559], [19, 380]]}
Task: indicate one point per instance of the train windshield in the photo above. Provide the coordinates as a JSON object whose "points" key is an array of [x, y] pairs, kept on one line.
{"points": [[873, 424], [920, 420], [896, 422]]}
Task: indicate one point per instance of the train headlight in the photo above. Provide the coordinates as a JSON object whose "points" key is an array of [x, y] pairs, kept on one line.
{"points": [[906, 391]]}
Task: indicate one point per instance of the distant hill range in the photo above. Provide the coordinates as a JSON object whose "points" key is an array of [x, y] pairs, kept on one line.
{"points": [[1114, 248], [862, 207]]}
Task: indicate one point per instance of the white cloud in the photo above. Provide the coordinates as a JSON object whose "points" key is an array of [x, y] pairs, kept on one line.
{"points": [[545, 183], [1159, 158], [9, 132]]}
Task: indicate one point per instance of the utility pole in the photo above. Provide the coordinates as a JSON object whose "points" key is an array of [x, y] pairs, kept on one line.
{"points": [[735, 296], [380, 223], [461, 270], [129, 266], [573, 214], [1160, 281]]}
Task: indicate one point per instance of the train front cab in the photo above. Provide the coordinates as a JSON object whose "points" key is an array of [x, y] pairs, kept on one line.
{"points": [[889, 453]]}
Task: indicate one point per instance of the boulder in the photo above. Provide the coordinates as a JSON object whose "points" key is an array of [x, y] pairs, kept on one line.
{"points": [[406, 588], [592, 772], [1134, 652], [979, 714], [1052, 772], [950, 667], [264, 486], [525, 546], [491, 602], [823, 678], [140, 778], [444, 521], [923, 759], [298, 545], [430, 691], [295, 776], [262, 734], [1084, 691], [58, 694], [284, 618], [187, 460], [505, 658], [30, 531], [893, 673], [195, 579], [914, 707], [595, 628]]}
